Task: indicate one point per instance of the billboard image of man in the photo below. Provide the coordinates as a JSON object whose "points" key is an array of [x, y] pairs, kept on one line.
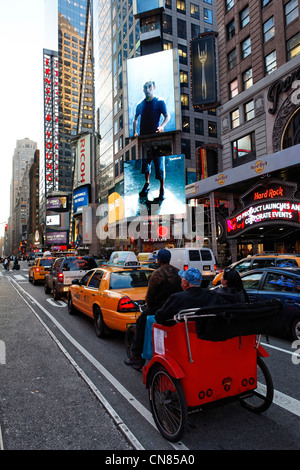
{"points": [[150, 110], [160, 174]]}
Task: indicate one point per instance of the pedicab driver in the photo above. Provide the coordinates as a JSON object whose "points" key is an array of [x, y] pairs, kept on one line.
{"points": [[192, 296], [163, 282]]}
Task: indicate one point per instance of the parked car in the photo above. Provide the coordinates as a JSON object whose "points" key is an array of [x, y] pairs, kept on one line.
{"points": [[64, 270], [200, 258], [110, 295], [278, 283], [261, 261], [40, 268]]}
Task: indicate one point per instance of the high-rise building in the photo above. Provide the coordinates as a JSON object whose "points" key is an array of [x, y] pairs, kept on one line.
{"points": [[121, 35], [259, 75]]}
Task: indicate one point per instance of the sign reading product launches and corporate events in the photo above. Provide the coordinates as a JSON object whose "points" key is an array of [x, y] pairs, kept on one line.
{"points": [[51, 120], [203, 64], [266, 204]]}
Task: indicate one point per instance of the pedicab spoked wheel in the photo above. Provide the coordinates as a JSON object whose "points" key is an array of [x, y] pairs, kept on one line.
{"points": [[168, 404], [128, 339], [262, 397]]}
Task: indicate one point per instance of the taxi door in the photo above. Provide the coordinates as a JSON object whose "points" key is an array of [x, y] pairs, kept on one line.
{"points": [[90, 293], [79, 292]]}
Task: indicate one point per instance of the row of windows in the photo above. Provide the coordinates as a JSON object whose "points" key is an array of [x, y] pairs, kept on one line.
{"points": [[182, 26], [194, 8], [270, 62]]}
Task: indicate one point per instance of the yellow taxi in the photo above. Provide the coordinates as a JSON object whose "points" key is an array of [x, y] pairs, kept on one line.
{"points": [[111, 294], [147, 260], [262, 261], [39, 269]]}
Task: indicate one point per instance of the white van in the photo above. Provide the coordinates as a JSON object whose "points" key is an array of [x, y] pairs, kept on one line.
{"points": [[200, 258]]}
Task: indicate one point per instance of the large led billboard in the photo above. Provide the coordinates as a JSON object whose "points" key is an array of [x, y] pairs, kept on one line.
{"points": [[155, 185], [203, 76], [152, 94]]}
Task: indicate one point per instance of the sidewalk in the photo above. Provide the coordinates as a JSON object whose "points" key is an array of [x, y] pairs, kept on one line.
{"points": [[44, 403]]}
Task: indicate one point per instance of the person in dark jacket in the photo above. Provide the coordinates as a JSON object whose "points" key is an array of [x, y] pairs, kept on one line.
{"points": [[193, 296], [232, 288], [163, 282]]}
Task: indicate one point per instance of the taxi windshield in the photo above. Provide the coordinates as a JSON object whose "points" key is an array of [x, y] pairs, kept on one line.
{"points": [[129, 279]]}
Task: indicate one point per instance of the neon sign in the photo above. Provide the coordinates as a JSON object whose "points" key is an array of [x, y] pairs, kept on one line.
{"points": [[271, 205], [51, 120]]}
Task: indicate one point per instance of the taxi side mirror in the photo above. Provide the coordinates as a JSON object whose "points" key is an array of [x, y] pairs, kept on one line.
{"points": [[76, 281]]}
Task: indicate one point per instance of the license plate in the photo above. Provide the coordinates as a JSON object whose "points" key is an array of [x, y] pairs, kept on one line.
{"points": [[206, 268]]}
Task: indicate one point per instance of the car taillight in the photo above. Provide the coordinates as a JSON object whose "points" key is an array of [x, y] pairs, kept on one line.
{"points": [[215, 267], [125, 305], [185, 267], [37, 270], [60, 277]]}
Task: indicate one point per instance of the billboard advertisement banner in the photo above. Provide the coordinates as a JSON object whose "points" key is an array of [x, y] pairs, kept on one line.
{"points": [[83, 160], [152, 94], [165, 192], [56, 238], [80, 199], [203, 76], [116, 203]]}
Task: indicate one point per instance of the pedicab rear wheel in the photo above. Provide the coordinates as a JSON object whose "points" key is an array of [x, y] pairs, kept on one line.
{"points": [[262, 397], [168, 404], [128, 339]]}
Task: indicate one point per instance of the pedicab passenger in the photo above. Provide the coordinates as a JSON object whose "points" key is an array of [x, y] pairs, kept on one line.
{"points": [[232, 288], [192, 296], [163, 282]]}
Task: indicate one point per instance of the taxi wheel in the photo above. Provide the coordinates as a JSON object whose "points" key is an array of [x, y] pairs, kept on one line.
{"points": [[71, 308], [100, 327]]}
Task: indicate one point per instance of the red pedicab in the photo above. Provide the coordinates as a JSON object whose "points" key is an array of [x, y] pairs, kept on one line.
{"points": [[209, 357]]}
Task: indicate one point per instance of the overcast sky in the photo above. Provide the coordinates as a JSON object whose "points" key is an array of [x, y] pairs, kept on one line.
{"points": [[26, 27]]}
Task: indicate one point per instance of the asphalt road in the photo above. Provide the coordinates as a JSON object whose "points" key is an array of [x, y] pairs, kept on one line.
{"points": [[62, 388]]}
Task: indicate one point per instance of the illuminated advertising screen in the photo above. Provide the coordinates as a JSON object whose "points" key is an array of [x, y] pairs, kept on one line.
{"points": [[56, 238], [152, 94], [116, 203], [143, 6], [83, 160], [273, 204], [203, 64], [165, 193], [80, 199], [53, 219], [57, 202]]}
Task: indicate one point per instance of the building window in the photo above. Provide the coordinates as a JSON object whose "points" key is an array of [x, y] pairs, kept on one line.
{"points": [[184, 79], [264, 3], [246, 48], [270, 63], [243, 150], [167, 24], [168, 4], [181, 29], [293, 46], [291, 11], [195, 30], [186, 148], [207, 13], [235, 118], [212, 129], [244, 17], [233, 88], [231, 58], [184, 100], [230, 29], [228, 4], [247, 79], [291, 135], [269, 29], [199, 128], [181, 6], [249, 110], [195, 11], [185, 124], [167, 45], [182, 51]]}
